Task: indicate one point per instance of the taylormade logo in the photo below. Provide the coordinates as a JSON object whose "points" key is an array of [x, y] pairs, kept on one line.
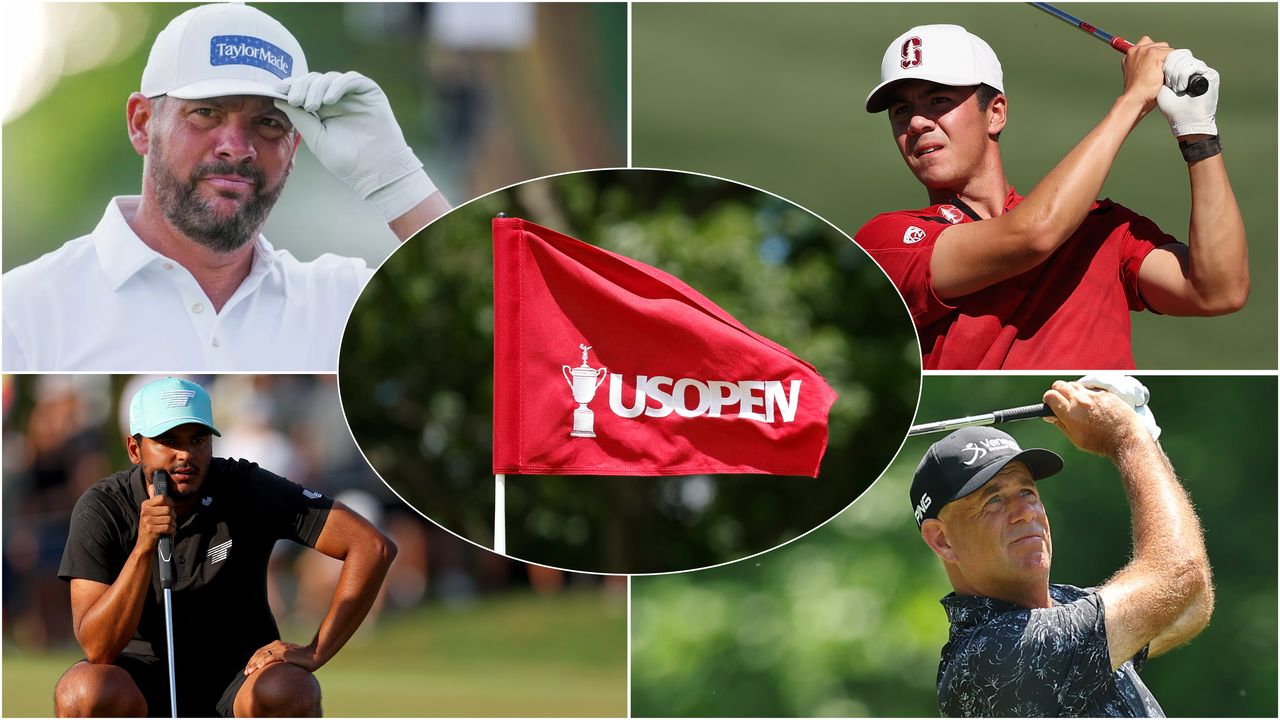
{"points": [[247, 50], [658, 396]]}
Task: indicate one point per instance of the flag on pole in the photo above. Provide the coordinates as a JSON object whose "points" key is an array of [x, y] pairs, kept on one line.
{"points": [[603, 365]]}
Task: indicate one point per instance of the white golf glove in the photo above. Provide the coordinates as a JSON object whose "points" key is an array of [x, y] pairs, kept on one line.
{"points": [[1129, 390], [1188, 115], [346, 120]]}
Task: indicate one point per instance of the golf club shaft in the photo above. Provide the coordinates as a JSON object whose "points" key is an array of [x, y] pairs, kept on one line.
{"points": [[1196, 86], [1026, 412], [164, 552], [168, 634]]}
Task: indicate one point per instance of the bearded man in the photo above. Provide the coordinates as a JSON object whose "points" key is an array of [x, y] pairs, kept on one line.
{"points": [[224, 101]]}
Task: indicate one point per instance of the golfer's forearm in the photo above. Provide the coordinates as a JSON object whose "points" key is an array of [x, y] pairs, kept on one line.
{"points": [[110, 623], [1168, 543], [1218, 266], [363, 571]]}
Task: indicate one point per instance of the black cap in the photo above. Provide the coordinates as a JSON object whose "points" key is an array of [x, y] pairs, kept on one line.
{"points": [[964, 461]]}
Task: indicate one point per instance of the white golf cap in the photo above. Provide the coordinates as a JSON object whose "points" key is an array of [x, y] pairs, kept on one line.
{"points": [[945, 54], [222, 49]]}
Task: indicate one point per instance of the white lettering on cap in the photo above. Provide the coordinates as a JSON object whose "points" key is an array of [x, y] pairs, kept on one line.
{"points": [[177, 398]]}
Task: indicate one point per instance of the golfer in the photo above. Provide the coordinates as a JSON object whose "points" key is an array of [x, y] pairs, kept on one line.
{"points": [[225, 516], [1019, 645], [996, 280], [224, 101]]}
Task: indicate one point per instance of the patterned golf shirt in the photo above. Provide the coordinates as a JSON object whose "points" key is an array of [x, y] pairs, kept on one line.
{"points": [[1006, 660]]}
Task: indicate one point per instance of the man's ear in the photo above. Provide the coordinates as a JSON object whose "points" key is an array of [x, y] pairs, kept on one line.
{"points": [[935, 536], [139, 111], [134, 450], [998, 109]]}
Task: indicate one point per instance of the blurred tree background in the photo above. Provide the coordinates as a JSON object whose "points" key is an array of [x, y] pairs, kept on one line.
{"points": [[846, 621], [416, 370], [773, 94], [486, 94]]}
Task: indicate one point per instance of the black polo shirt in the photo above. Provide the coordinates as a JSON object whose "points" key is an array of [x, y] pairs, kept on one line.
{"points": [[220, 611], [1004, 660]]}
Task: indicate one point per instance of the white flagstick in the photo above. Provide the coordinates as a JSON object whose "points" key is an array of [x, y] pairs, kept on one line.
{"points": [[500, 513]]}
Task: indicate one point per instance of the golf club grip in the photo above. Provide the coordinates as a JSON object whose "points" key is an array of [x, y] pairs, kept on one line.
{"points": [[1026, 412], [160, 479], [1196, 86]]}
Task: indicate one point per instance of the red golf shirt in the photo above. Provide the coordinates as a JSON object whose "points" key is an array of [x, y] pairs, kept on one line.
{"points": [[1069, 312]]}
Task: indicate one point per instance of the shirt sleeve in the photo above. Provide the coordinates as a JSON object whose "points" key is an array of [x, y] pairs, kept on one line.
{"points": [[95, 549], [1141, 236], [902, 245], [287, 509], [1042, 659]]}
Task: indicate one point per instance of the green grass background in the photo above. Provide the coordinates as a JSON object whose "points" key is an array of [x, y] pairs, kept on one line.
{"points": [[772, 95], [517, 655]]}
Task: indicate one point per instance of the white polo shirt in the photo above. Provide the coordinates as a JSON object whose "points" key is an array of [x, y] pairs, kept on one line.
{"points": [[107, 302]]}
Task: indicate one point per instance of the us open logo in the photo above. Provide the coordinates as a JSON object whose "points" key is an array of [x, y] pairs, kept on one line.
{"points": [[659, 396]]}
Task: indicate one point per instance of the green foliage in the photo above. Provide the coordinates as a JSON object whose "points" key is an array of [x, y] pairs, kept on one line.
{"points": [[846, 621], [416, 369], [773, 94]]}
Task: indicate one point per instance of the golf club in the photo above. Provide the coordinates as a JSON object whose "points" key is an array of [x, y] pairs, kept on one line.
{"points": [[1026, 412], [1196, 86], [160, 479]]}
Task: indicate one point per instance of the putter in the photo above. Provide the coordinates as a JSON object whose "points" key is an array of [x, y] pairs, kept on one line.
{"points": [[1196, 86], [165, 557], [1026, 412]]}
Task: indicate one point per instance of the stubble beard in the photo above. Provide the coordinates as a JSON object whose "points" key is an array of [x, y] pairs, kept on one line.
{"points": [[193, 217]]}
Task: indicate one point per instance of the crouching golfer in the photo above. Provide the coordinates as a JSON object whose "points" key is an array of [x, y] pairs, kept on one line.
{"points": [[1020, 646], [224, 515]]}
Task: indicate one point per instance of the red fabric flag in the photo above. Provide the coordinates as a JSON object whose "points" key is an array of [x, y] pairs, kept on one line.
{"points": [[603, 365]]}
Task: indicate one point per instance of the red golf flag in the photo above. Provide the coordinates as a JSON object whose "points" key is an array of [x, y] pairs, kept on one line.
{"points": [[606, 366]]}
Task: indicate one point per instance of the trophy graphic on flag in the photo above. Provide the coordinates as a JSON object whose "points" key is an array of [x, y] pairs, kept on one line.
{"points": [[583, 381]]}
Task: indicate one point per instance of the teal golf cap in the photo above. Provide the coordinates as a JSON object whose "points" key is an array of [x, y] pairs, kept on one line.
{"points": [[164, 404]]}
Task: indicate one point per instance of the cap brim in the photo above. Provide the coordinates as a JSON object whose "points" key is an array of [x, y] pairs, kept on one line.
{"points": [[221, 87], [171, 423], [878, 98], [1042, 464]]}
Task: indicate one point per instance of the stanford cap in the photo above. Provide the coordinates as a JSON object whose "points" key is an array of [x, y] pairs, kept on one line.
{"points": [[222, 49], [964, 461], [164, 404], [945, 54]]}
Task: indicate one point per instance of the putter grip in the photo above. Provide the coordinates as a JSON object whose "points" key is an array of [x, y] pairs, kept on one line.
{"points": [[160, 479], [1026, 412]]}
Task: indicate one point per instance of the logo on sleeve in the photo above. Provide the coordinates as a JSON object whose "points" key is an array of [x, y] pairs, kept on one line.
{"points": [[912, 236], [312, 494], [248, 50], [951, 213]]}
